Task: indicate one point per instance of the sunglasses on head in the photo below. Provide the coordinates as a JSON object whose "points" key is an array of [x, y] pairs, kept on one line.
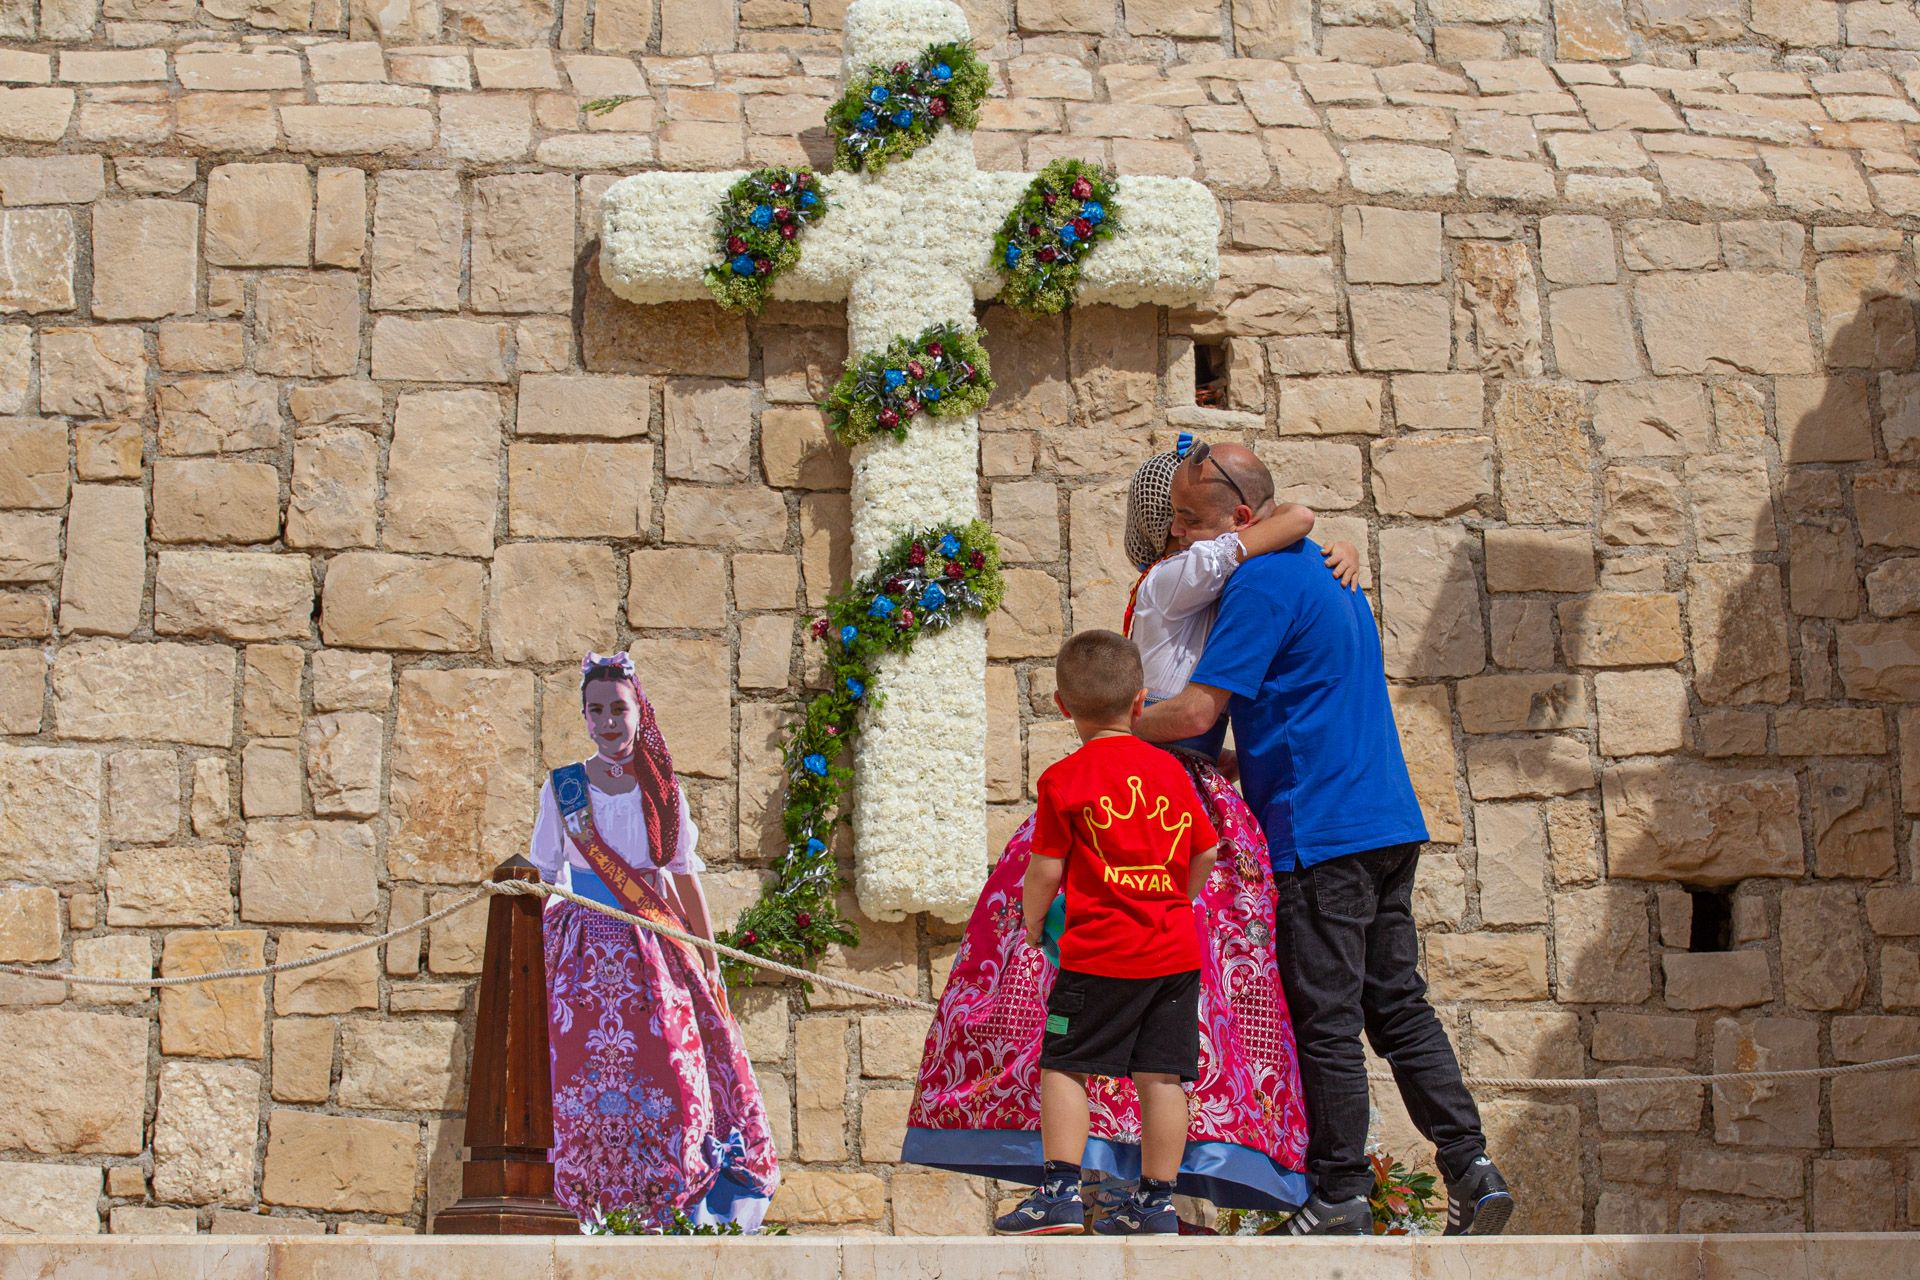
{"points": [[1200, 455]]}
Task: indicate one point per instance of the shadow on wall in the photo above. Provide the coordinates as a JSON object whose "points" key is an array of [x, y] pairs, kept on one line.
{"points": [[1686, 795]]}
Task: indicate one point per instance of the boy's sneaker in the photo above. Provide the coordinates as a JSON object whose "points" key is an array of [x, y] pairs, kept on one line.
{"points": [[1044, 1213], [1479, 1204], [1138, 1217], [1319, 1217]]}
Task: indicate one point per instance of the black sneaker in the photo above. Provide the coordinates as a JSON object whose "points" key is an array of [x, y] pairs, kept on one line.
{"points": [[1479, 1204], [1041, 1214], [1319, 1217]]}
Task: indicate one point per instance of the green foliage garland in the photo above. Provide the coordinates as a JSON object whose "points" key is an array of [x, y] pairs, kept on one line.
{"points": [[942, 372], [757, 233], [928, 580], [888, 113], [1068, 209]]}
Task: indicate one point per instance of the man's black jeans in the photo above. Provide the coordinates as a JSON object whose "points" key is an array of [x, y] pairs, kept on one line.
{"points": [[1348, 954]]}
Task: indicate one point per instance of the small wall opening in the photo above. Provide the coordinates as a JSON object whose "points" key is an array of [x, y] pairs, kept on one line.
{"points": [[1712, 920], [1209, 372]]}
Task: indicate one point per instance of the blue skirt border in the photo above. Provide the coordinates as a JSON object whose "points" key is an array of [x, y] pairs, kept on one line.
{"points": [[1228, 1174]]}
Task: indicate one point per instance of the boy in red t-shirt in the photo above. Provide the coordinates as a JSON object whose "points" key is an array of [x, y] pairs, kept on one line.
{"points": [[1119, 822]]}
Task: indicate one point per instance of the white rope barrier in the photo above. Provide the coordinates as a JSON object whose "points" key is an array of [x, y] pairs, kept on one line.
{"points": [[537, 889]]}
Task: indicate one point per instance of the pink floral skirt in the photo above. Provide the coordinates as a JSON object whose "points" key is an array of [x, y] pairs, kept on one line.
{"points": [[655, 1107], [976, 1108]]}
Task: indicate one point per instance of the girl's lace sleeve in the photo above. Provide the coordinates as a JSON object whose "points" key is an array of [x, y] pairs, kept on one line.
{"points": [[1185, 584]]}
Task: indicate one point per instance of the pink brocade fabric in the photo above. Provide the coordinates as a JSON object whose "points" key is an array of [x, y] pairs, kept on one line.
{"points": [[653, 1097], [981, 1067]]}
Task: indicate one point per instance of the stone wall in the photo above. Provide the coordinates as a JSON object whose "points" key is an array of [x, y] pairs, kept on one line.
{"points": [[326, 455]]}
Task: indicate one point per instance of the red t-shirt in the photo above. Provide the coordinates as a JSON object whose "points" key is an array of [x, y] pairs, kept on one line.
{"points": [[1125, 816]]}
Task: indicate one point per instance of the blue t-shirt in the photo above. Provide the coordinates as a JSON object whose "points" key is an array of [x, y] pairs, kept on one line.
{"points": [[1320, 759]]}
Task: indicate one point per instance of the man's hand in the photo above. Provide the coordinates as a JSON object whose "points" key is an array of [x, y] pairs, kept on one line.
{"points": [[1229, 765], [1343, 558]]}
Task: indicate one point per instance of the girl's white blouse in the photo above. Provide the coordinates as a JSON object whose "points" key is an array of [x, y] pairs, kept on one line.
{"points": [[1174, 608], [621, 820]]}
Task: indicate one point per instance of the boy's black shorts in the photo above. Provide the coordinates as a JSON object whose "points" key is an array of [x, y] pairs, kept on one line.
{"points": [[1118, 1026]]}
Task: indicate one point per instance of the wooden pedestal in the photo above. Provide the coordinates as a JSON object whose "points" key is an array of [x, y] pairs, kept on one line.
{"points": [[506, 1182]]}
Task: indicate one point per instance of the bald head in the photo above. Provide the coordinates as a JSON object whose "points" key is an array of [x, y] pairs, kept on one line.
{"points": [[1228, 490], [1251, 474]]}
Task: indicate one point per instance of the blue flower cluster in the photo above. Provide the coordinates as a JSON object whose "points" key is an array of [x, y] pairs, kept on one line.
{"points": [[915, 96], [880, 608]]}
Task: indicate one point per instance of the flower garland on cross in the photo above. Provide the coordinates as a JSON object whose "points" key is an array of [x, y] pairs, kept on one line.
{"points": [[943, 373], [757, 233], [1068, 209], [928, 580], [889, 113]]}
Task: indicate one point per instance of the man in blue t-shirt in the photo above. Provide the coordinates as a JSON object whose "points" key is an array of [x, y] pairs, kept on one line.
{"points": [[1294, 658]]}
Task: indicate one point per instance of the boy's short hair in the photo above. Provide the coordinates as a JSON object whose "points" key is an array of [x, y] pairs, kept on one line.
{"points": [[1098, 673]]}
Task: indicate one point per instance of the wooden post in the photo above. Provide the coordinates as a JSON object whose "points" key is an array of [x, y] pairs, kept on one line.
{"points": [[506, 1182]]}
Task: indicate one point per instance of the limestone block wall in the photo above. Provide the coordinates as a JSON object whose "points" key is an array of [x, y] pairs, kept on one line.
{"points": [[323, 455]]}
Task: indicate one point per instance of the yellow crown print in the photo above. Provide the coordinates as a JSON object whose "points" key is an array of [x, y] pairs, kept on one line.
{"points": [[1136, 807]]}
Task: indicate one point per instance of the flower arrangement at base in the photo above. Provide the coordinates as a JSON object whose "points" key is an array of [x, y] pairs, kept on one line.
{"points": [[757, 233], [1403, 1203], [1400, 1199], [1068, 209], [943, 372], [626, 1222], [928, 580], [888, 113]]}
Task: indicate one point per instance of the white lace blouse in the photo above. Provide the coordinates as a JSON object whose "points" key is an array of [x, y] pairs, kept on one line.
{"points": [[622, 823], [1174, 609]]}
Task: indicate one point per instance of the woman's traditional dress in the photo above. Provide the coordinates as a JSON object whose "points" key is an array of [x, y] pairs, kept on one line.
{"points": [[976, 1108], [655, 1107]]}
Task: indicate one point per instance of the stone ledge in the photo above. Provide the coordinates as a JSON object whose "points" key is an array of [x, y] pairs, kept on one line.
{"points": [[1732, 1257]]}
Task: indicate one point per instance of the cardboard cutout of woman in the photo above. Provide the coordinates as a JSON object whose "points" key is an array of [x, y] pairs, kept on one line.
{"points": [[655, 1107]]}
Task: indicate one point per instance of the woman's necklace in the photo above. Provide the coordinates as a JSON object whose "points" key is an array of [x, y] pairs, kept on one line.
{"points": [[614, 767]]}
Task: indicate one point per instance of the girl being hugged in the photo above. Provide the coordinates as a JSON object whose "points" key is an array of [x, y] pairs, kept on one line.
{"points": [[976, 1106], [655, 1108]]}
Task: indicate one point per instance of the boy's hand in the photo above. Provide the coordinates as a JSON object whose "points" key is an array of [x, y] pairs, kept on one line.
{"points": [[1343, 558], [1035, 931], [1229, 765]]}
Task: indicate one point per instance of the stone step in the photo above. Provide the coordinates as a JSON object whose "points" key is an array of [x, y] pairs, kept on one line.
{"points": [[827, 1257]]}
